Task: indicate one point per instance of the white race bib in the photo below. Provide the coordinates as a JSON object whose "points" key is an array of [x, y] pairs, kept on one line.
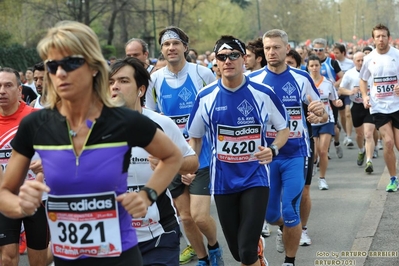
{"points": [[237, 144], [84, 225]]}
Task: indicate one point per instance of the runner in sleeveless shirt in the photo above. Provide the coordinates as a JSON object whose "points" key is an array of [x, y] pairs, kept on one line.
{"points": [[12, 112], [82, 133], [172, 91], [158, 231], [382, 66], [293, 87], [362, 119], [235, 113]]}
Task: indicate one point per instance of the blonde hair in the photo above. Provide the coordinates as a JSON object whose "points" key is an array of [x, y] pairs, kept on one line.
{"points": [[76, 39]]}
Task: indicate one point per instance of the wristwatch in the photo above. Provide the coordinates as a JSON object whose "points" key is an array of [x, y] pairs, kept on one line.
{"points": [[274, 149], [151, 194]]}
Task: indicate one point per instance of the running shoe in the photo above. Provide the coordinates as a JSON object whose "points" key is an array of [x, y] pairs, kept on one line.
{"points": [[287, 264], [360, 158], [279, 241], [379, 145], [305, 239], [393, 185], [187, 255], [349, 142], [265, 229], [375, 153], [339, 152], [216, 257], [261, 248], [22, 243], [314, 168], [202, 263], [369, 167], [323, 184]]}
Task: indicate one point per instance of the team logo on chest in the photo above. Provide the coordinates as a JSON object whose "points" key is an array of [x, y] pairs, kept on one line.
{"points": [[289, 88], [245, 107], [185, 94]]}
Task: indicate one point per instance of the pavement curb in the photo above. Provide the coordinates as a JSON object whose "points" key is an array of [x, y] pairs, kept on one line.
{"points": [[371, 220]]}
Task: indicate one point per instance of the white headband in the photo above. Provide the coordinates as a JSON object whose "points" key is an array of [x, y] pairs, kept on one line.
{"points": [[170, 34]]}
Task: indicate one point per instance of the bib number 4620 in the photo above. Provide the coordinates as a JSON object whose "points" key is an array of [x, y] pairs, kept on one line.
{"points": [[239, 147]]}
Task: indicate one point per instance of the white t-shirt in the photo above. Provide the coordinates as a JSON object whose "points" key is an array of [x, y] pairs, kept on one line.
{"points": [[140, 171], [350, 81], [174, 96], [346, 64], [383, 69]]}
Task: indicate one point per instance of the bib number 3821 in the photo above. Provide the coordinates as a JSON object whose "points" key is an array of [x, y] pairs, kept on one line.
{"points": [[84, 225]]}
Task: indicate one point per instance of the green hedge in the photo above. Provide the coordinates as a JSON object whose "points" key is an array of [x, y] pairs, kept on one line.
{"points": [[18, 57]]}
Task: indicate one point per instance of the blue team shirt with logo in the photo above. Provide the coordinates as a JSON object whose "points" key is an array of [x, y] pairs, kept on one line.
{"points": [[236, 122], [291, 86]]}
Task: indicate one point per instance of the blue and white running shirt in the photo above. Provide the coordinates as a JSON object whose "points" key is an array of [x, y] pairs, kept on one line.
{"points": [[174, 95], [291, 86], [236, 122]]}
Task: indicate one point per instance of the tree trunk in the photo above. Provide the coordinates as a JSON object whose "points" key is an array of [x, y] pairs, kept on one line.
{"points": [[112, 22]]}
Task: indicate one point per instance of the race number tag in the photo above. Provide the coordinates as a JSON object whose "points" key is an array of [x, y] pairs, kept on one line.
{"points": [[358, 95], [295, 123], [181, 122], [84, 225], [385, 86], [237, 144]]}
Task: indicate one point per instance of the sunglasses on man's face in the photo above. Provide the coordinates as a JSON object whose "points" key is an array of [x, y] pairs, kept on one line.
{"points": [[318, 49], [68, 64], [232, 56]]}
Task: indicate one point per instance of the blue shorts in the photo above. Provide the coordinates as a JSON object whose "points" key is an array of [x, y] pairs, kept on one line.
{"points": [[327, 128], [345, 101], [286, 184], [163, 250]]}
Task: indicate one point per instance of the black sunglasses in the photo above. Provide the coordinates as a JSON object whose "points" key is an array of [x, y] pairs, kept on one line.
{"points": [[68, 64], [232, 56]]}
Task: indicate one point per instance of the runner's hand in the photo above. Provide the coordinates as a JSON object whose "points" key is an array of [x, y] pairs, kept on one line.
{"points": [[366, 102], [30, 195], [316, 107], [36, 166], [312, 118], [187, 179], [134, 203], [264, 156], [153, 162], [396, 90]]}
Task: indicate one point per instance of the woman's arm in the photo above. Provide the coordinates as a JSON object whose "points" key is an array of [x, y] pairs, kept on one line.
{"points": [[170, 161], [19, 201]]}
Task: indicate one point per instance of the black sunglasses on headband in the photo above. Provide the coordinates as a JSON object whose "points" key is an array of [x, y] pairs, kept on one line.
{"points": [[232, 56], [68, 64]]}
